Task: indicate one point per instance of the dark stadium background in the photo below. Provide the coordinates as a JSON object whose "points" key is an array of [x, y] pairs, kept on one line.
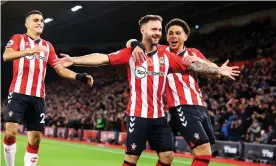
{"points": [[106, 26]]}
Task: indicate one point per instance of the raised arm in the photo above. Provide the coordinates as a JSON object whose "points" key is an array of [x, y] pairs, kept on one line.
{"points": [[224, 70], [95, 59], [201, 67]]}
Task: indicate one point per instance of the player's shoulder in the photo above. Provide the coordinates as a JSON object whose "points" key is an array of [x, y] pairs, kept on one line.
{"points": [[124, 50], [192, 50], [46, 41], [195, 51], [162, 46], [16, 36], [165, 51], [14, 40]]}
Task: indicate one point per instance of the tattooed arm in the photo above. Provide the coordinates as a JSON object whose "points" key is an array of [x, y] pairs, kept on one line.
{"points": [[224, 70], [201, 67]]}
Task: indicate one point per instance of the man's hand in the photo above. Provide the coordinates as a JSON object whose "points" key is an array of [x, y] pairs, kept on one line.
{"points": [[90, 80], [227, 71], [66, 61], [139, 55], [37, 49], [85, 78]]}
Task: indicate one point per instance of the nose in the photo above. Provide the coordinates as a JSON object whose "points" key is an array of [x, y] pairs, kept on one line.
{"points": [[174, 35]]}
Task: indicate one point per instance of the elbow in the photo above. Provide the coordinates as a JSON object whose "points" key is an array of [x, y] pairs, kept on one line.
{"points": [[5, 58]]}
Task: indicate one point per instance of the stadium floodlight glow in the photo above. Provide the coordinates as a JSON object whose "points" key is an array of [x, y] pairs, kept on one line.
{"points": [[196, 26], [76, 8], [47, 20]]}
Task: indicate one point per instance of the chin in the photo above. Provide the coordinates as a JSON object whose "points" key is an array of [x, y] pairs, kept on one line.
{"points": [[39, 31], [173, 47], [155, 42]]}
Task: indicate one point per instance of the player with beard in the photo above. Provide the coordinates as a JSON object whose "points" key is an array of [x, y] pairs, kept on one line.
{"points": [[146, 119], [189, 114]]}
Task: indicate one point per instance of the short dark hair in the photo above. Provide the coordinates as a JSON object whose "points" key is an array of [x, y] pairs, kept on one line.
{"points": [[148, 18], [178, 22], [33, 12]]}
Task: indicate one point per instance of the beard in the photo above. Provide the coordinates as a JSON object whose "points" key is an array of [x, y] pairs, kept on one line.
{"points": [[151, 40]]}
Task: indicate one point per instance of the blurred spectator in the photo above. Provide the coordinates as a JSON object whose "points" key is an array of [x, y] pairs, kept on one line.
{"points": [[254, 131], [100, 122]]}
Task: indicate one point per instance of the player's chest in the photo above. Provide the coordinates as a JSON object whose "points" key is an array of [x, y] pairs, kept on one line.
{"points": [[41, 55], [154, 66]]}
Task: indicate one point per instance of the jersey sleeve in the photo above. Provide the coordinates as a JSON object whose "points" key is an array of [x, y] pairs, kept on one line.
{"points": [[14, 42], [120, 57], [199, 54], [175, 62], [52, 54]]}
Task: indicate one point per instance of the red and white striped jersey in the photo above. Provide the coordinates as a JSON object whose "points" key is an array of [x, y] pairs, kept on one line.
{"points": [[182, 87], [29, 71], [147, 80]]}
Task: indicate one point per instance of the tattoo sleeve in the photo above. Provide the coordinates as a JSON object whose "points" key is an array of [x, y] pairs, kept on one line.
{"points": [[203, 68]]}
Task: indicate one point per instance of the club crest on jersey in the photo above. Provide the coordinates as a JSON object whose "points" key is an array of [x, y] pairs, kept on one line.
{"points": [[161, 60], [150, 61], [27, 44]]}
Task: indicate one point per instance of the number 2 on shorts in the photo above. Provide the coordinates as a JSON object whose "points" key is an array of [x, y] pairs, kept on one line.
{"points": [[43, 117]]}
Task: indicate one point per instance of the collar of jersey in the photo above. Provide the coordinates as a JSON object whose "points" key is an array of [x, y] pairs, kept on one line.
{"points": [[35, 40], [152, 52], [182, 52]]}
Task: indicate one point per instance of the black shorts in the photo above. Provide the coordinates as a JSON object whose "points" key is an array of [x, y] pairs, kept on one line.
{"points": [[30, 109], [140, 130], [194, 124]]}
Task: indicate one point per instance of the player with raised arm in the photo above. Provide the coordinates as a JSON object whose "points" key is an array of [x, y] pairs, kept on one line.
{"points": [[189, 114], [26, 101], [145, 112]]}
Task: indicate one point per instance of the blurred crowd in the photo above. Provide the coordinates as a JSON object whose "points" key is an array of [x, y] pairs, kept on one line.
{"points": [[240, 110], [254, 40], [245, 109]]}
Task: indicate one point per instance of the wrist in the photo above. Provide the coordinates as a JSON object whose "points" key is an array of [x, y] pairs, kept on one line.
{"points": [[219, 71], [73, 60], [27, 52], [136, 43], [81, 77]]}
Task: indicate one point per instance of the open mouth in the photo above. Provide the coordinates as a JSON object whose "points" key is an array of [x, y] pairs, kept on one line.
{"points": [[174, 43]]}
